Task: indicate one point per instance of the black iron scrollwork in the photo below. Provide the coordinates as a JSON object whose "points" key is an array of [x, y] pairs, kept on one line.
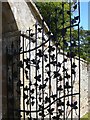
{"points": [[45, 83]]}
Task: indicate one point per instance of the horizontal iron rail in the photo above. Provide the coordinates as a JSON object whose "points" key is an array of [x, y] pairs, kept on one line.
{"points": [[49, 104]]}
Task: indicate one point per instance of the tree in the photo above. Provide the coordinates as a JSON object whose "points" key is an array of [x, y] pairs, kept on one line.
{"points": [[56, 13], [85, 44], [47, 10]]}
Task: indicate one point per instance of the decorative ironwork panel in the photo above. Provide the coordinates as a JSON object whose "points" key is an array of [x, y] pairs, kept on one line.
{"points": [[43, 83]]}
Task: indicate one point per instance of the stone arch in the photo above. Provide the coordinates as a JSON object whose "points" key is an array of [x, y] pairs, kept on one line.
{"points": [[10, 33], [8, 20], [14, 19]]}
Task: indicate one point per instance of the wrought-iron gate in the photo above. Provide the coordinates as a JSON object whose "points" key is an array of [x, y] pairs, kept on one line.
{"points": [[41, 76]]}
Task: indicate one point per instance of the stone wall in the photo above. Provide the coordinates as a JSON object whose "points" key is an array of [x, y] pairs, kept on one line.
{"points": [[26, 17], [7, 38]]}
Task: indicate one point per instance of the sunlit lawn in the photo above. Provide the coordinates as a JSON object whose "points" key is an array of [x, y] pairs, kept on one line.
{"points": [[86, 116]]}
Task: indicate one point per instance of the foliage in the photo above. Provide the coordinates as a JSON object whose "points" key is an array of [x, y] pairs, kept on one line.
{"points": [[47, 10], [85, 44], [84, 36]]}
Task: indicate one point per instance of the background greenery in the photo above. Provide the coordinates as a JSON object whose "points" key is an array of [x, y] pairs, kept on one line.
{"points": [[47, 10]]}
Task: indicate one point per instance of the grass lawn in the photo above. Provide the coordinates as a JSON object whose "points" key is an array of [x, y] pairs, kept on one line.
{"points": [[86, 116]]}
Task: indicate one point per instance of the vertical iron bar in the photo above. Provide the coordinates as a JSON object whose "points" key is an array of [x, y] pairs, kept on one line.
{"points": [[43, 66], [56, 56], [71, 60], [23, 80], [79, 54], [79, 10], [36, 69], [30, 72], [49, 69], [12, 82], [18, 69], [63, 59], [79, 69]]}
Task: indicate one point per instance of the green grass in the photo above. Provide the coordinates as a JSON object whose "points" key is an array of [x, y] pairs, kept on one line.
{"points": [[86, 116]]}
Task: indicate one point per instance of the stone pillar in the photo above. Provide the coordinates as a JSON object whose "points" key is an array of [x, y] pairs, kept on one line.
{"points": [[8, 38]]}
